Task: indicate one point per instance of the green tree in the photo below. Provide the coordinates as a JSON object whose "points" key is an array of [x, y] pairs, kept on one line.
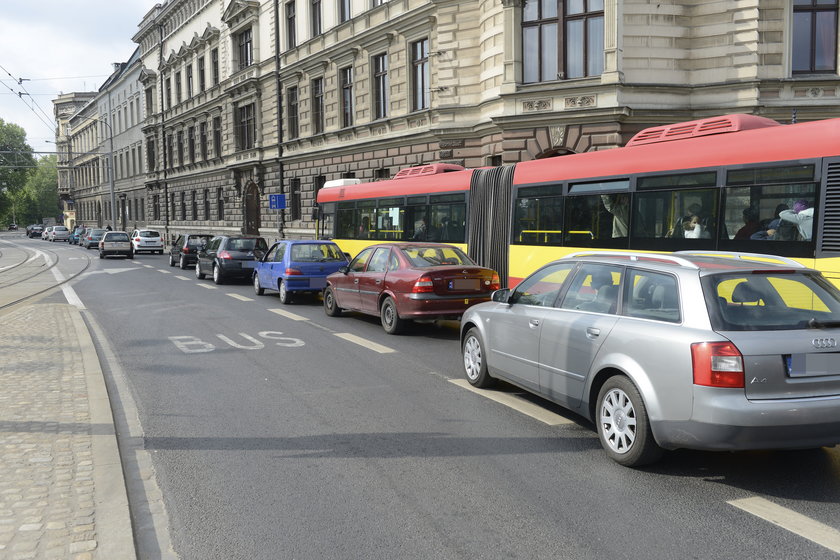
{"points": [[41, 191], [16, 163]]}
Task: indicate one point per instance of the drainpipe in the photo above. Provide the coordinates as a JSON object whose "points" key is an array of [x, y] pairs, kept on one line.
{"points": [[163, 137], [281, 223]]}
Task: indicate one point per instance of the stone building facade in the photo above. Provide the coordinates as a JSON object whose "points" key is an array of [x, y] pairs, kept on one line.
{"points": [[243, 99], [64, 107]]}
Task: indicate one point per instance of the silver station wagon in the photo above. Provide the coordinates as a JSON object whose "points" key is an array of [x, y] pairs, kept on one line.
{"points": [[710, 351]]}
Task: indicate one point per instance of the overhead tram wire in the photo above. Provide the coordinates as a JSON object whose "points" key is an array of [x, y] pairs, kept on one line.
{"points": [[48, 122]]}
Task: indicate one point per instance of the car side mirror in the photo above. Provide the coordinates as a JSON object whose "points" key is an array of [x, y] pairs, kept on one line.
{"points": [[501, 296], [344, 269]]}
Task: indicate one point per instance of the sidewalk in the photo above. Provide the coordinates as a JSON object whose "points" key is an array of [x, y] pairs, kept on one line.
{"points": [[62, 491]]}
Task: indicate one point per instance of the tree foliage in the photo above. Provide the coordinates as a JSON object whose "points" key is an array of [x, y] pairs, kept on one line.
{"points": [[16, 160]]}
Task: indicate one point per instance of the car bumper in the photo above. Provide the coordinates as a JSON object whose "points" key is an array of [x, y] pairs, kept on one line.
{"points": [[419, 306], [726, 420], [236, 269], [305, 283], [139, 248]]}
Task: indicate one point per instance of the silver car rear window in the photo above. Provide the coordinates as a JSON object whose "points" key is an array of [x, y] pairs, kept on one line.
{"points": [[770, 301]]}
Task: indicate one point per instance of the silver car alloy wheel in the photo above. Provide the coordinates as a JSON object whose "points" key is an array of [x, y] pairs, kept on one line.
{"points": [[618, 419], [472, 358]]}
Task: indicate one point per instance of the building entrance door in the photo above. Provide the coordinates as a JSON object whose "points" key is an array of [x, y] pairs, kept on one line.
{"points": [[252, 209]]}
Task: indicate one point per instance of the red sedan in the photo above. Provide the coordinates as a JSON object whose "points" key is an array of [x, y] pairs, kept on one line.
{"points": [[403, 281]]}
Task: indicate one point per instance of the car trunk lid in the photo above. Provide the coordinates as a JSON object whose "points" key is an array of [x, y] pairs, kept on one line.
{"points": [[466, 280]]}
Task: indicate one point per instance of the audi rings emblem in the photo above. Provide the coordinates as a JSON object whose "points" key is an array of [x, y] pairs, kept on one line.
{"points": [[824, 343]]}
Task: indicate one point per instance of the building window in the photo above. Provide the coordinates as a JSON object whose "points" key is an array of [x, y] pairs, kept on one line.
{"points": [[183, 205], [170, 151], [814, 36], [156, 207], [194, 205], [291, 25], [202, 132], [562, 39], [191, 143], [178, 90], [206, 204], [151, 157], [202, 77], [189, 81], [292, 122], [168, 86], [142, 214], [375, 3], [315, 17], [214, 66], [172, 205], [343, 10], [381, 174], [294, 202], [217, 137], [180, 147], [220, 204], [420, 75], [150, 100], [246, 49], [318, 105], [346, 96], [380, 86], [246, 127]]}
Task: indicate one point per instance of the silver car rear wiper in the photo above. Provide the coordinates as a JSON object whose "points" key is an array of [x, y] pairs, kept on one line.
{"points": [[813, 323]]}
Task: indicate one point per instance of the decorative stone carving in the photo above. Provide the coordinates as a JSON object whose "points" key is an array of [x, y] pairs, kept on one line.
{"points": [[537, 105], [580, 101]]}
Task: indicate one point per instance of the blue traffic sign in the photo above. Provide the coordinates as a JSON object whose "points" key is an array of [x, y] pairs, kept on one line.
{"points": [[276, 201]]}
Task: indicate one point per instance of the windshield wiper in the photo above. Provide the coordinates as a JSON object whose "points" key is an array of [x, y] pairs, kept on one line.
{"points": [[814, 324]]}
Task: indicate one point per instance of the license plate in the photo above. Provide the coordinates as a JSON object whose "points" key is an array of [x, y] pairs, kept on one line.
{"points": [[248, 264], [813, 365], [465, 284]]}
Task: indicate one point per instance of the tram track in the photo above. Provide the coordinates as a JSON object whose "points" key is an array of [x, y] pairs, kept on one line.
{"points": [[51, 261]]}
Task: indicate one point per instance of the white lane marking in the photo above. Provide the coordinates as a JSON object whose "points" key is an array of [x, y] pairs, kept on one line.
{"points": [[789, 520], [182, 278], [206, 286], [289, 315], [69, 293], [517, 403], [370, 345], [164, 271], [240, 298], [147, 266]]}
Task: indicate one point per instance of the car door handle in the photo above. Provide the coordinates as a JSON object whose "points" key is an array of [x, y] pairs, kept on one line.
{"points": [[379, 281], [534, 323], [592, 332], [355, 280]]}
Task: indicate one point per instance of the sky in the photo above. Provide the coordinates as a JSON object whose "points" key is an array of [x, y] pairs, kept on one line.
{"points": [[59, 46]]}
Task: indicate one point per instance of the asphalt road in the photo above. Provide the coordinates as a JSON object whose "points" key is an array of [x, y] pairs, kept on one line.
{"points": [[275, 436]]}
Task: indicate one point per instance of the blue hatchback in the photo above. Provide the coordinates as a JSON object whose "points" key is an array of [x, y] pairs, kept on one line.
{"points": [[297, 266]]}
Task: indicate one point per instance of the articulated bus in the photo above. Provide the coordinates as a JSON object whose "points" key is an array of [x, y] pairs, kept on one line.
{"points": [[733, 183]]}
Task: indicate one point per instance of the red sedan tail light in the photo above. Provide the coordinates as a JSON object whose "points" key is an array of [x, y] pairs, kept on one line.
{"points": [[717, 364], [495, 283], [423, 285]]}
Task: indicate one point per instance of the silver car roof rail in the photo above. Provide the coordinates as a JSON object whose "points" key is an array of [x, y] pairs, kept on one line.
{"points": [[751, 257], [635, 256]]}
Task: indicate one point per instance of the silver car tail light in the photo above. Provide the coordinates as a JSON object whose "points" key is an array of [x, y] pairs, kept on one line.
{"points": [[717, 364]]}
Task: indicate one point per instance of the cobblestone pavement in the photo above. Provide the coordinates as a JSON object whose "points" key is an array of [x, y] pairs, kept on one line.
{"points": [[62, 492]]}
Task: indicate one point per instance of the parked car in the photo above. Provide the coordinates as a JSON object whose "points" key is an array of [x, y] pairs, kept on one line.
{"points": [[45, 234], [75, 234], [147, 240], [229, 256], [58, 233], [115, 243], [91, 238], [184, 251], [296, 267], [667, 351], [399, 282], [35, 231]]}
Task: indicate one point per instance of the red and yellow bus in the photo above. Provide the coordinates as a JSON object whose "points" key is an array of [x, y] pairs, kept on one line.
{"points": [[738, 183]]}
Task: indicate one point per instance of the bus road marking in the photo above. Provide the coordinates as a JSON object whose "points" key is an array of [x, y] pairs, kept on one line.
{"points": [[516, 403], [289, 315], [239, 297], [787, 519], [370, 345], [206, 286]]}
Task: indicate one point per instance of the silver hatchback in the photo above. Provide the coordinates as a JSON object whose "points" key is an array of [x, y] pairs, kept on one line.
{"points": [[710, 351]]}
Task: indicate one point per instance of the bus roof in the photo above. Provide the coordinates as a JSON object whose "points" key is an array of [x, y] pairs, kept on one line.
{"points": [[778, 143]]}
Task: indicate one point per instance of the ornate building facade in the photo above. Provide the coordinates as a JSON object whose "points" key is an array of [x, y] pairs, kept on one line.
{"points": [[244, 99]]}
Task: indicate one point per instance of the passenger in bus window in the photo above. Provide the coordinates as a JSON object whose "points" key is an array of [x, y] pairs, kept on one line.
{"points": [[445, 230], [775, 229], [619, 206], [693, 228], [802, 215], [420, 230], [364, 229], [751, 224]]}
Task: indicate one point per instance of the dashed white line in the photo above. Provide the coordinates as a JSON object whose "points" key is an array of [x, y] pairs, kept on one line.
{"points": [[370, 345], [239, 297], [789, 520], [517, 403], [164, 271], [182, 277], [206, 286], [289, 315], [147, 266]]}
